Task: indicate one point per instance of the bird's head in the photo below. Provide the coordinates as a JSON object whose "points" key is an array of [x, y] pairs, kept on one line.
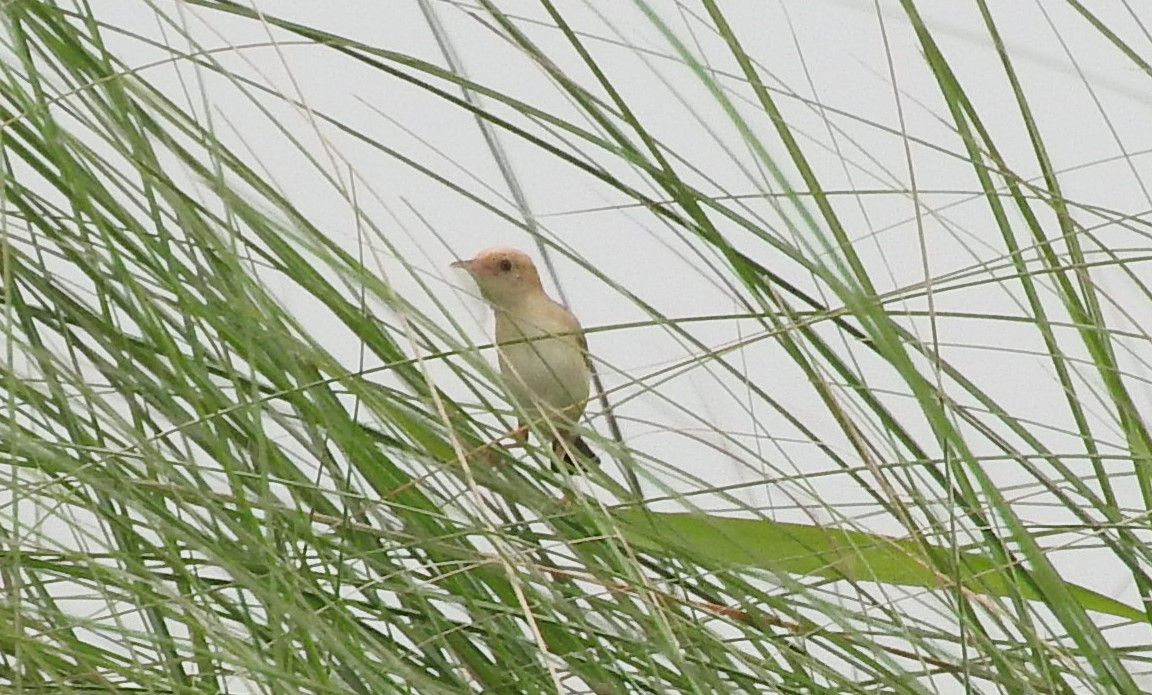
{"points": [[506, 276]]}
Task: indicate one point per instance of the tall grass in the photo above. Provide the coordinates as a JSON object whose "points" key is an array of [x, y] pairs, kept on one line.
{"points": [[251, 432]]}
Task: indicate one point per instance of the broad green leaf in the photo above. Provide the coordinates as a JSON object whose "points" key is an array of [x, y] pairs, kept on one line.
{"points": [[855, 556]]}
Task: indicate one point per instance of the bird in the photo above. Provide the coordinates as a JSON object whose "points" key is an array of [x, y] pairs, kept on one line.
{"points": [[543, 353]]}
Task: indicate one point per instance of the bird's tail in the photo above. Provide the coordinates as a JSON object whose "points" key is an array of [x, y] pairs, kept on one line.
{"points": [[574, 443]]}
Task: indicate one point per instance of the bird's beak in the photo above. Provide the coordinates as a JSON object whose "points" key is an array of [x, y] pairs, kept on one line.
{"points": [[466, 265]]}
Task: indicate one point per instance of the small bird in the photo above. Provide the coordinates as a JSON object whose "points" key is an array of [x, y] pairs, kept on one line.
{"points": [[543, 352]]}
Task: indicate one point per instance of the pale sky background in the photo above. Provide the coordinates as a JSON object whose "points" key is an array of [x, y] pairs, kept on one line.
{"points": [[852, 82]]}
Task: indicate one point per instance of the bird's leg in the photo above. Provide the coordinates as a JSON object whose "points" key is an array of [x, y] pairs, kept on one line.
{"points": [[519, 436], [484, 454]]}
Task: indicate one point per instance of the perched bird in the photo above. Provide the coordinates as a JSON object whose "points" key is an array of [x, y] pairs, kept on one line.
{"points": [[543, 352]]}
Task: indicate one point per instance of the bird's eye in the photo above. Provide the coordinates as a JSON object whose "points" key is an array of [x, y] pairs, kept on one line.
{"points": [[505, 265]]}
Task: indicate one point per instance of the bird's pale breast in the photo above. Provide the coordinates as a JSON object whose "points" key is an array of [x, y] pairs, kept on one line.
{"points": [[544, 371]]}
